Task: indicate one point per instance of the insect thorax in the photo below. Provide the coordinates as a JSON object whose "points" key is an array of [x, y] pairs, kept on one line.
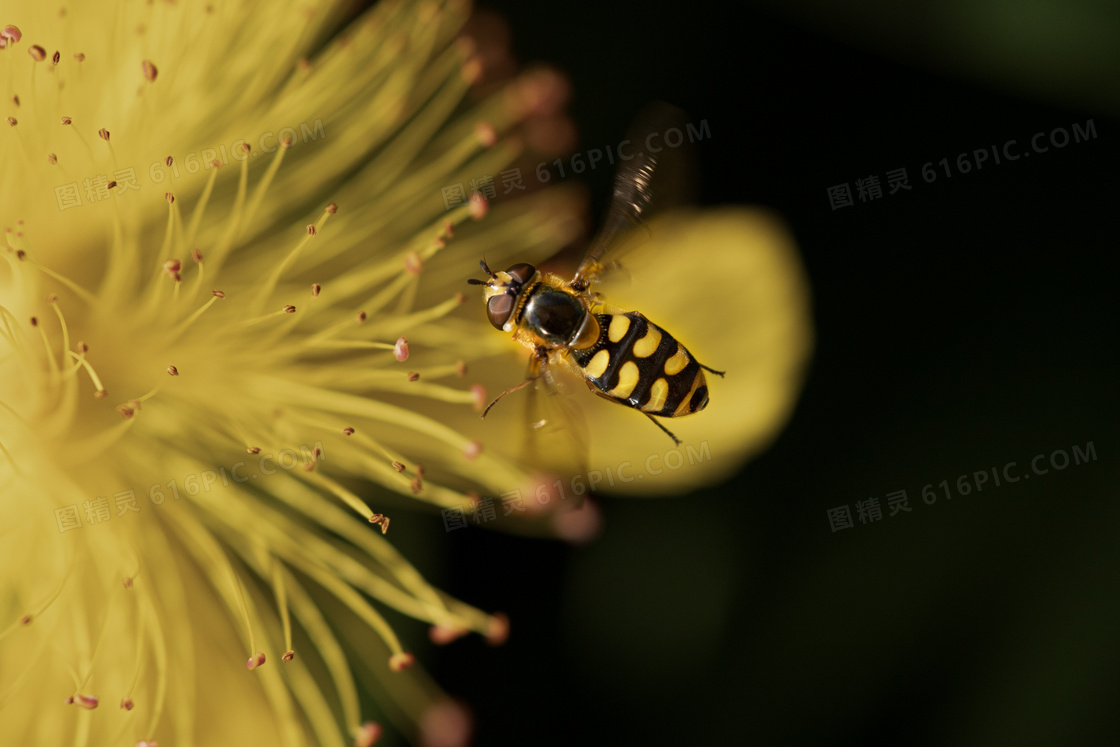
{"points": [[553, 315]]}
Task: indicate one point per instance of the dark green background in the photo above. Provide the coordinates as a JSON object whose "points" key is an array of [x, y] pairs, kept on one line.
{"points": [[960, 326]]}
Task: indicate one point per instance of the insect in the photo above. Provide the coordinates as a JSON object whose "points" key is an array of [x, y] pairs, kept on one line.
{"points": [[621, 355]]}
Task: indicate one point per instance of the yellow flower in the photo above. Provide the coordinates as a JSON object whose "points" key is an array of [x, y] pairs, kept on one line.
{"points": [[203, 360], [229, 305]]}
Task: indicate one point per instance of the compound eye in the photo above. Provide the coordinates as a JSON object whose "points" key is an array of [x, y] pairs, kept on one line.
{"points": [[499, 308], [522, 273]]}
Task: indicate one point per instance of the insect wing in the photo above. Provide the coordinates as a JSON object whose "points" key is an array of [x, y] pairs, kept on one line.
{"points": [[557, 440], [636, 195]]}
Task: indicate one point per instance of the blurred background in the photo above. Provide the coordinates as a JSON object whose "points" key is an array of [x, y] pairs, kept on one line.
{"points": [[961, 325]]}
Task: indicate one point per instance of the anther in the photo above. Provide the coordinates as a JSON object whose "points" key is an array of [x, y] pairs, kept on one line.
{"points": [[398, 467], [315, 288], [79, 57], [368, 734], [416, 485], [245, 148], [348, 431], [461, 368], [289, 309], [11, 33], [34, 321], [127, 581], [254, 450], [402, 661], [413, 376], [172, 371], [288, 656], [311, 230], [37, 53], [218, 294], [82, 348], [441, 635], [52, 159], [101, 394], [149, 70], [361, 317], [196, 255], [478, 393], [497, 629], [103, 134], [381, 520], [66, 120], [169, 160], [485, 133], [286, 142], [55, 57], [13, 121], [168, 196], [332, 208], [216, 163], [110, 185], [15, 99], [473, 449], [89, 702], [21, 255], [413, 263], [126, 704], [125, 411], [25, 620], [479, 205], [255, 661], [400, 350], [172, 266]]}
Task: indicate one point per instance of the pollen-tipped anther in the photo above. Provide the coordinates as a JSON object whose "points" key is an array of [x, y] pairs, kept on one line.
{"points": [[254, 450], [332, 208], [368, 734], [289, 309], [485, 133], [315, 288], [172, 371], [497, 629], [398, 466], [478, 396], [127, 704], [479, 205], [443, 634], [256, 660], [103, 134], [400, 349], [288, 656], [89, 702], [11, 33], [413, 376], [348, 431], [37, 53], [218, 294], [402, 661], [413, 263], [149, 71]]}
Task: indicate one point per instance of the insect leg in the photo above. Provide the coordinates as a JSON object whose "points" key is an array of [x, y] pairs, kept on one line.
{"points": [[668, 432], [535, 372]]}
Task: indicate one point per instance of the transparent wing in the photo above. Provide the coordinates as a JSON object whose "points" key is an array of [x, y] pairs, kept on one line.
{"points": [[646, 152], [557, 440]]}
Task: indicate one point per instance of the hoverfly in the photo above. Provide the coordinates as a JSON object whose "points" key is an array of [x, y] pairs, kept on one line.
{"points": [[621, 355]]}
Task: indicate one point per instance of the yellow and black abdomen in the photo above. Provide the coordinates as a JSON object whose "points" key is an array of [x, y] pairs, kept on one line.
{"points": [[639, 364]]}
